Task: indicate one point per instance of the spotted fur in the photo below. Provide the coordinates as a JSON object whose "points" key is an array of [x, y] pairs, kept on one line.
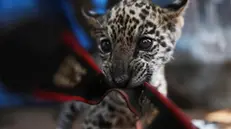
{"points": [[136, 38], [111, 113], [124, 26]]}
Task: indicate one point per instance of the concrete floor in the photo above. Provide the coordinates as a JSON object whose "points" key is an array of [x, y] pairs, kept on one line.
{"points": [[44, 118], [27, 118]]}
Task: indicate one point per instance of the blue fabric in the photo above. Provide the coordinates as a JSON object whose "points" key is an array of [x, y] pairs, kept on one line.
{"points": [[79, 32], [100, 6], [9, 99], [12, 10]]}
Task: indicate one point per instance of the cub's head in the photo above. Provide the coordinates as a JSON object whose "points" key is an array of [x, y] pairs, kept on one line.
{"points": [[136, 38]]}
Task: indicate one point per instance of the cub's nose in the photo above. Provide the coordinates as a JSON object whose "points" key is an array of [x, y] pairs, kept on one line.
{"points": [[119, 74], [121, 80]]}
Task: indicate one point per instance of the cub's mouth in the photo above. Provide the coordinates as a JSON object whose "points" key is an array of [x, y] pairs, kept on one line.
{"points": [[125, 81], [122, 81]]}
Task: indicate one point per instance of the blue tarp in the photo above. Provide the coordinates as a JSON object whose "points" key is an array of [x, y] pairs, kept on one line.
{"points": [[13, 10]]}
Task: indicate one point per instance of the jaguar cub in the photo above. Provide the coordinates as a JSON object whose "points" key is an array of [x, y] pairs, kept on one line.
{"points": [[136, 38]]}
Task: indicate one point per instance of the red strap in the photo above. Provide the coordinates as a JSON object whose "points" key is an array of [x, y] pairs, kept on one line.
{"points": [[70, 40], [172, 107]]}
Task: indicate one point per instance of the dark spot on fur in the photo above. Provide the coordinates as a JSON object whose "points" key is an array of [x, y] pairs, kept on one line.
{"points": [[141, 28], [132, 12], [164, 28], [123, 11], [103, 123], [152, 31], [142, 16], [111, 108], [147, 7], [110, 22], [130, 31], [102, 35], [125, 2], [159, 10], [163, 44], [131, 37], [161, 37], [113, 32], [121, 20], [70, 116], [158, 40], [135, 20], [130, 21], [73, 107], [168, 49], [146, 12], [140, 66], [151, 24], [153, 14], [117, 12], [139, 5], [157, 33], [127, 19], [155, 46], [165, 19], [153, 8], [164, 59], [127, 38], [147, 58], [171, 27], [144, 70]]}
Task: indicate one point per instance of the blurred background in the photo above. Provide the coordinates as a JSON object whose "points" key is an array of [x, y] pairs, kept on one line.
{"points": [[198, 77]]}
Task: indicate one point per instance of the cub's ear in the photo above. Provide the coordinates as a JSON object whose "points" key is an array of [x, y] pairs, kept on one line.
{"points": [[176, 11], [92, 18], [177, 8]]}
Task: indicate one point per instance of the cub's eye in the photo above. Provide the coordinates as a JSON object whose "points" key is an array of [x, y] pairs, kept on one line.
{"points": [[145, 43], [105, 45]]}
